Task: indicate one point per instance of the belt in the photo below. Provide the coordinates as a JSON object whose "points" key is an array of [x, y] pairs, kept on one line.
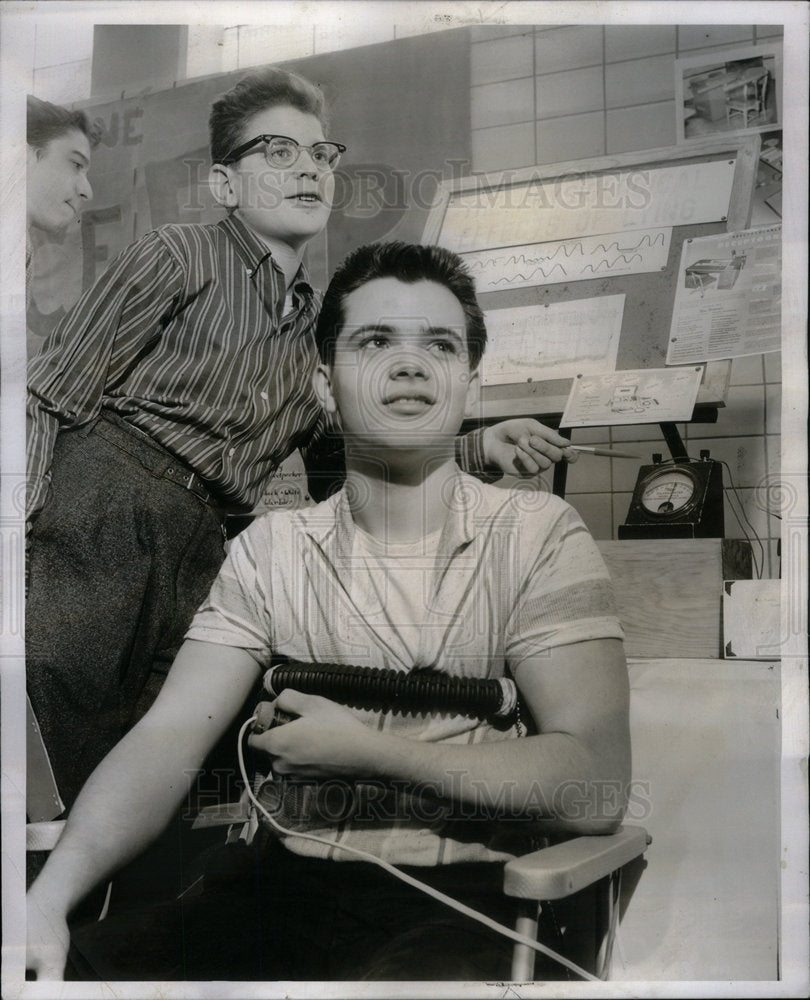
{"points": [[166, 466], [192, 482]]}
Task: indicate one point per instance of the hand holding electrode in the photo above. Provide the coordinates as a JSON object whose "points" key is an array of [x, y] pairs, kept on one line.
{"points": [[318, 738], [299, 688]]}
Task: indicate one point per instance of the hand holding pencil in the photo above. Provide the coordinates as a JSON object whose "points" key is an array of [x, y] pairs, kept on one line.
{"points": [[524, 447]]}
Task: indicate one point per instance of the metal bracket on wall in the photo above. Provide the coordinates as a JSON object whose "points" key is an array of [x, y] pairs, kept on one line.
{"points": [[674, 440]]}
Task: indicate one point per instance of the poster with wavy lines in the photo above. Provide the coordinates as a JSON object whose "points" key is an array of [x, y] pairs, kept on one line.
{"points": [[569, 260]]}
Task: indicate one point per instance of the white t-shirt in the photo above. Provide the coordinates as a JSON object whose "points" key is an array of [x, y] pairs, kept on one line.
{"points": [[391, 588]]}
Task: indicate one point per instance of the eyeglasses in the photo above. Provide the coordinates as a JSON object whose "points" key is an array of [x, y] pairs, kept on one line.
{"points": [[281, 151]]}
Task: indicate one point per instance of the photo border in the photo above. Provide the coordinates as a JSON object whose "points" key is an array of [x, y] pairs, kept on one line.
{"points": [[792, 930]]}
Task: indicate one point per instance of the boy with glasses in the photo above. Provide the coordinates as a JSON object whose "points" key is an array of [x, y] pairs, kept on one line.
{"points": [[412, 565]]}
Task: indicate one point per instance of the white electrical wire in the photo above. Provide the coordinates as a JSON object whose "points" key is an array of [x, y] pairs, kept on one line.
{"points": [[408, 879]]}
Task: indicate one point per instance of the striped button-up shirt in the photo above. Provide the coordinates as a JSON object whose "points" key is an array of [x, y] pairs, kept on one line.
{"points": [[185, 337]]}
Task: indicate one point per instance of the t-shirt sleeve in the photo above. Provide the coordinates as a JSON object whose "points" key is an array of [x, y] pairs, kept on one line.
{"points": [[237, 609], [566, 594]]}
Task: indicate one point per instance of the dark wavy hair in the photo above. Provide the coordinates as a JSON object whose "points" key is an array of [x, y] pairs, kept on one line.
{"points": [[266, 88], [46, 121], [409, 263]]}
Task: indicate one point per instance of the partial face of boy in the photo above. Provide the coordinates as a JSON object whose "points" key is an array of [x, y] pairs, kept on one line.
{"points": [[56, 182], [400, 376], [291, 205]]}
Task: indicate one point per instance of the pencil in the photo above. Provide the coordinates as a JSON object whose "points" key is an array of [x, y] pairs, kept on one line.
{"points": [[607, 452]]}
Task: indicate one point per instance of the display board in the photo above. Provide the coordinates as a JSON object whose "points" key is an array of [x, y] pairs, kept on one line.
{"points": [[576, 263]]}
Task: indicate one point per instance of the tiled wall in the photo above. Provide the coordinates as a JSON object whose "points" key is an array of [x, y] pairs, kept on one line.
{"points": [[546, 95]]}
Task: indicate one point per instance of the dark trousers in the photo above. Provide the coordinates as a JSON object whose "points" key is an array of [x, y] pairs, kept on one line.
{"points": [[120, 558], [271, 915]]}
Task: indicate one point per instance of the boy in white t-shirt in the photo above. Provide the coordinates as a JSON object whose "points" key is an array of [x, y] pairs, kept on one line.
{"points": [[412, 565]]}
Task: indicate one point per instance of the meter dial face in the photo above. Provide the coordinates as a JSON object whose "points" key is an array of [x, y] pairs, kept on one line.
{"points": [[668, 491]]}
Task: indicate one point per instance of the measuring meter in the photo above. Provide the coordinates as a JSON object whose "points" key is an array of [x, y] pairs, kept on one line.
{"points": [[681, 498]]}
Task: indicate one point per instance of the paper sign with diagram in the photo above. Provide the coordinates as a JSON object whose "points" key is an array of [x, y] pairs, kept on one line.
{"points": [[728, 297], [638, 396]]}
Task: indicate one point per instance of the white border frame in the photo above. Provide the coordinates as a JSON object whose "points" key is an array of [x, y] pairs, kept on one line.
{"points": [[16, 19]]}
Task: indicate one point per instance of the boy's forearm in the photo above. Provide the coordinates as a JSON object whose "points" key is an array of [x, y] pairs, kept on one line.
{"points": [[549, 776], [121, 809], [576, 771], [135, 790]]}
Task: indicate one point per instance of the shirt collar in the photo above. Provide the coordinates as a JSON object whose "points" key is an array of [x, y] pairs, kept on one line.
{"points": [[253, 252]]}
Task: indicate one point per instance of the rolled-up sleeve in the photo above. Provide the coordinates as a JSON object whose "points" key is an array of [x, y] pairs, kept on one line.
{"points": [[567, 594]]}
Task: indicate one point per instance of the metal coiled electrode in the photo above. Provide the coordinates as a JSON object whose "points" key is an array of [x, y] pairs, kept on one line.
{"points": [[395, 690]]}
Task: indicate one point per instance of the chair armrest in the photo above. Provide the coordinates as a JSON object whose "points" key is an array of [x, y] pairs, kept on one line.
{"points": [[557, 871], [43, 836]]}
